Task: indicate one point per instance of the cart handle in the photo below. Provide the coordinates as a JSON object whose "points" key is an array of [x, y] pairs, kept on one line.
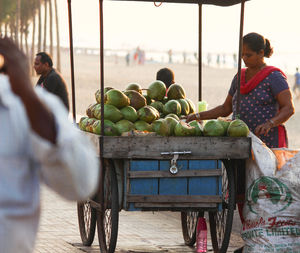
{"points": [[177, 153]]}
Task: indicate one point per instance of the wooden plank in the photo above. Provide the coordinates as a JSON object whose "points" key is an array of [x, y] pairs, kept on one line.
{"points": [[200, 147], [181, 173], [173, 199], [175, 205], [211, 2], [151, 147]]}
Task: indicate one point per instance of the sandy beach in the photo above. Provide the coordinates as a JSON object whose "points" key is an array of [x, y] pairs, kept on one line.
{"points": [[215, 82]]}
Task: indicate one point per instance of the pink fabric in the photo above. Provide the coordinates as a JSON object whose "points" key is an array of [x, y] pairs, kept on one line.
{"points": [[255, 80]]}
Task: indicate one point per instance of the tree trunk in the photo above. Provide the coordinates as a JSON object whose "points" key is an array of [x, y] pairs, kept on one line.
{"points": [[45, 26], [6, 29], [18, 15], [51, 27], [57, 38], [40, 27], [32, 45]]}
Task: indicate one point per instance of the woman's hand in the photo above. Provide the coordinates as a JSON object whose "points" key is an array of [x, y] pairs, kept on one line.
{"points": [[263, 128], [191, 117]]}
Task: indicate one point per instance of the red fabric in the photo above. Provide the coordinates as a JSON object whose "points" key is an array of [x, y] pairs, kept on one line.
{"points": [[255, 80], [282, 138]]}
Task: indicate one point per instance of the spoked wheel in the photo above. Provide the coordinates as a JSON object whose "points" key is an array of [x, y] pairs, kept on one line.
{"points": [[221, 221], [189, 226], [108, 217], [87, 222]]}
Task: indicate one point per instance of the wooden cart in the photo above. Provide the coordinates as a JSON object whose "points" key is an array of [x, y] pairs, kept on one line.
{"points": [[186, 174]]}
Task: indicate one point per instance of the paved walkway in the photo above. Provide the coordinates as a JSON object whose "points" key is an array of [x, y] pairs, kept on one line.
{"points": [[139, 232]]}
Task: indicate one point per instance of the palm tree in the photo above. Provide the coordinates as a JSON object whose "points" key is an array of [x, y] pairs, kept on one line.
{"points": [[57, 38], [51, 27], [40, 26], [45, 25]]}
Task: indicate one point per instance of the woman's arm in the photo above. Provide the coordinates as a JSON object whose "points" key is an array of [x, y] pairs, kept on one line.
{"points": [[223, 110], [286, 110]]}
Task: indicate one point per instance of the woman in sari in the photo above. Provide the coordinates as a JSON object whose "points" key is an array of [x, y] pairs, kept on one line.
{"points": [[265, 101]]}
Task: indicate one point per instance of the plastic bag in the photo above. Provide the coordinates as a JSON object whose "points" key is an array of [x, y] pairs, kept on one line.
{"points": [[272, 207]]}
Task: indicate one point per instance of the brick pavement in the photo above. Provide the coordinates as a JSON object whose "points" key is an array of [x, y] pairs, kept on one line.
{"points": [[139, 232]]}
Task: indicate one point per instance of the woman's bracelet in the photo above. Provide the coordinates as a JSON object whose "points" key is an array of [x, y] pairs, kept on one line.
{"points": [[197, 116], [272, 122]]}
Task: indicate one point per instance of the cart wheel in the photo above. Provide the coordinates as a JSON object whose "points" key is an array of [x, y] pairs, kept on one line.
{"points": [[87, 222], [220, 222], [189, 226], [108, 217]]}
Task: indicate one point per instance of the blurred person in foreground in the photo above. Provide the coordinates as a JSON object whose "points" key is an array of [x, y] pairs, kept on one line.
{"points": [[50, 79], [266, 100], [165, 75], [38, 144]]}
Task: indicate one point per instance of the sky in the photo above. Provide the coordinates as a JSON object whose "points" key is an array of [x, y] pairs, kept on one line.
{"points": [[175, 26]]}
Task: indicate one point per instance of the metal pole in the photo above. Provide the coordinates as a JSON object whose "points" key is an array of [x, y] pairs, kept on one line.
{"points": [[200, 54], [72, 60], [101, 139], [238, 98]]}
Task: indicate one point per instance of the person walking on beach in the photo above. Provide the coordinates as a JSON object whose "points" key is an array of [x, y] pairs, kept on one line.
{"points": [[170, 54], [265, 101], [296, 88], [38, 144], [165, 75], [50, 79]]}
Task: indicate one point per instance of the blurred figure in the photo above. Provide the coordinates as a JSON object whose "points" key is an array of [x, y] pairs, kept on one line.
{"points": [[170, 53], [38, 144], [165, 75], [296, 88], [184, 57], [50, 79], [127, 59], [234, 60]]}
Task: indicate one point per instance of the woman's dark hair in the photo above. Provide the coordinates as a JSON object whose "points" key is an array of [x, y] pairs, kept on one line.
{"points": [[166, 75], [257, 42], [45, 58]]}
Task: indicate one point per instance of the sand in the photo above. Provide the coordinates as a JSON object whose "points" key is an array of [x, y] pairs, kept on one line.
{"points": [[215, 82]]}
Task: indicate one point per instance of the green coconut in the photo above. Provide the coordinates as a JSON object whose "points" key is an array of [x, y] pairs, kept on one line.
{"points": [[111, 113], [148, 99], [172, 122], [198, 127], [90, 110], [172, 106], [116, 98], [98, 94], [129, 113], [109, 128], [147, 114], [192, 105], [137, 100], [134, 86], [142, 126], [82, 123], [213, 128], [124, 126], [238, 128], [161, 127], [185, 108], [89, 125], [157, 90], [225, 123], [173, 116], [184, 129], [158, 106], [175, 91]]}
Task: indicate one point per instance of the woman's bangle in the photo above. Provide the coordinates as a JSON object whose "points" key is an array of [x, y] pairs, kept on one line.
{"points": [[197, 116], [272, 122]]}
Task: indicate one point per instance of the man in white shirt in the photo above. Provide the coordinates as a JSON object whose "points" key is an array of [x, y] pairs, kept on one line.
{"points": [[37, 144]]}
